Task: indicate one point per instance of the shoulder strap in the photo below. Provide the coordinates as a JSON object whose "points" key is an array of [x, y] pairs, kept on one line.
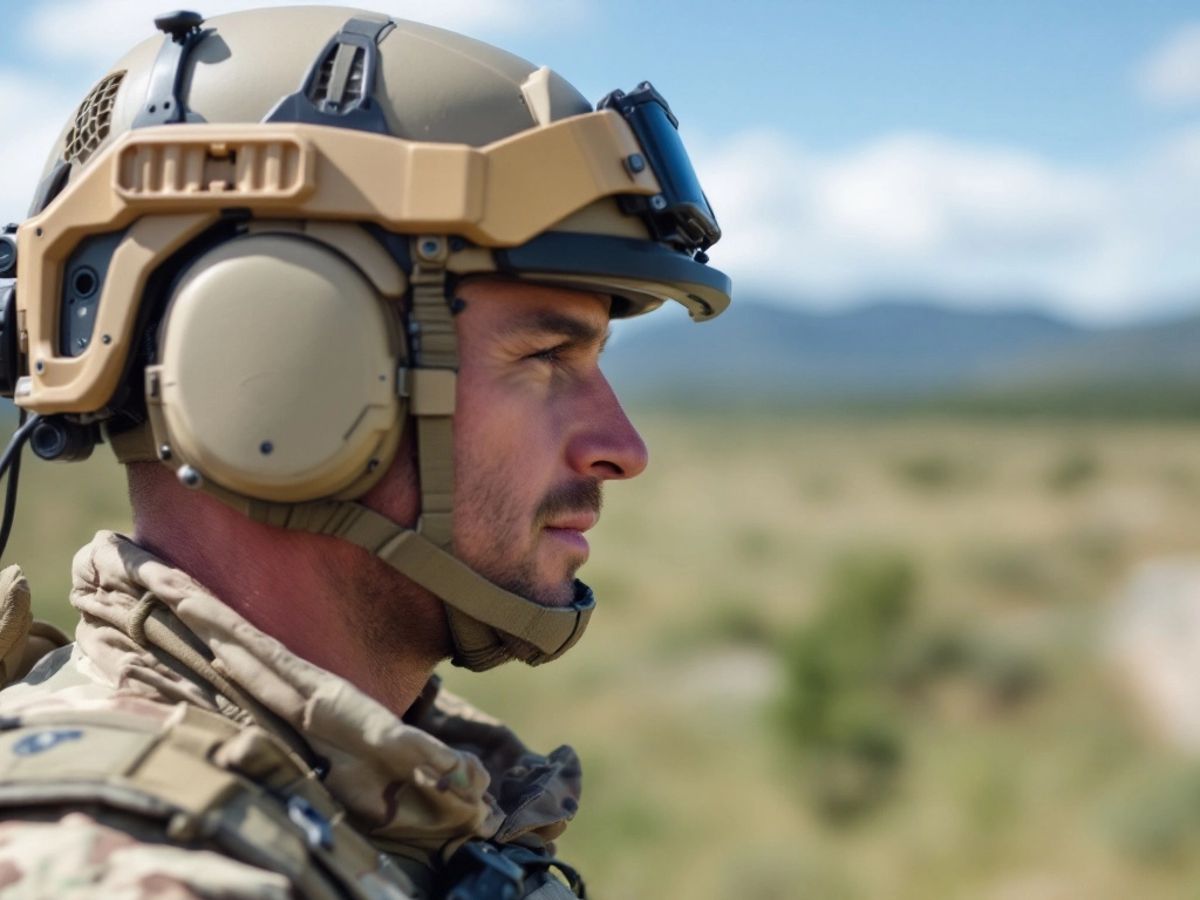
{"points": [[205, 782]]}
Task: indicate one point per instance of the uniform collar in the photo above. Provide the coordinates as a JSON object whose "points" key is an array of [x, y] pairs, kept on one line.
{"points": [[448, 774]]}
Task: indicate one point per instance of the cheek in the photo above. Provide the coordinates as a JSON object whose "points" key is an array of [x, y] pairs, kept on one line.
{"points": [[506, 427], [494, 496], [501, 481], [501, 455]]}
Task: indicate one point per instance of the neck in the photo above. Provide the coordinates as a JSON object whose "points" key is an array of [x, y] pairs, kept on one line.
{"points": [[326, 600]]}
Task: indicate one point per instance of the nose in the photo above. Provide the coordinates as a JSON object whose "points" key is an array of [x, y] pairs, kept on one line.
{"points": [[605, 445]]}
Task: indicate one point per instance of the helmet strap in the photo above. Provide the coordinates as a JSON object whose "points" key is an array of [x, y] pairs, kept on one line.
{"points": [[495, 617], [433, 345], [488, 625]]}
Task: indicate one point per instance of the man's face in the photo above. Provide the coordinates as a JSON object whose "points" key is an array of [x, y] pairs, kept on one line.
{"points": [[537, 430]]}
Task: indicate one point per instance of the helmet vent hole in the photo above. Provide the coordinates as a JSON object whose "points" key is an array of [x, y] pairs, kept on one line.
{"points": [[336, 93], [92, 120], [354, 83], [320, 88]]}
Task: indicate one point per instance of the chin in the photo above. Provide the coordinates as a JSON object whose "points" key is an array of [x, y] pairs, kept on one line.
{"points": [[560, 593]]}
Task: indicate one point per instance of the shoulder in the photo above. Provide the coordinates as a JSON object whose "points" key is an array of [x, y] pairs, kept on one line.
{"points": [[78, 855], [66, 681]]}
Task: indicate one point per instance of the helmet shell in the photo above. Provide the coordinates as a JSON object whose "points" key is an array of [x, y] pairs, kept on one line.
{"points": [[433, 85]]}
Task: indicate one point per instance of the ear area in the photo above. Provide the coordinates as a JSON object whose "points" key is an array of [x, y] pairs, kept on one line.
{"points": [[277, 374]]}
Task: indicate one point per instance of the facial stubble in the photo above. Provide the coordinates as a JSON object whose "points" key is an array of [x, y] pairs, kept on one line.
{"points": [[400, 620]]}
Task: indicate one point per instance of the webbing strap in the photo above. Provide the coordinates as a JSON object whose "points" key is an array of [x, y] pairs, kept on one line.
{"points": [[549, 630], [435, 353], [110, 761]]}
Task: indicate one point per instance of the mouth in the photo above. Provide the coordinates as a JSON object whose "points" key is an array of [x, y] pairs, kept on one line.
{"points": [[569, 529], [577, 521]]}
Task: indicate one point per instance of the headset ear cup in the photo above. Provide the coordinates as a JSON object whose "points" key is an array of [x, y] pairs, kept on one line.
{"points": [[277, 376]]}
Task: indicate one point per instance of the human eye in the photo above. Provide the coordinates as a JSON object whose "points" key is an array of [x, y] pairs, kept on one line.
{"points": [[552, 354]]}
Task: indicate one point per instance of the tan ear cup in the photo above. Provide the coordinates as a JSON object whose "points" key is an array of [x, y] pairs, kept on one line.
{"points": [[278, 373]]}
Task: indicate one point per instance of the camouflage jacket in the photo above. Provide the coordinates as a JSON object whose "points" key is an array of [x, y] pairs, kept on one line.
{"points": [[155, 654]]}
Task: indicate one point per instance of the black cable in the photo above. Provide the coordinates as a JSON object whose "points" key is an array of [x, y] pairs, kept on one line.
{"points": [[11, 462]]}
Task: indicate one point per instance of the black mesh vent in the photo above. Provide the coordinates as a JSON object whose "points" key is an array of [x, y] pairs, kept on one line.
{"points": [[92, 120]]}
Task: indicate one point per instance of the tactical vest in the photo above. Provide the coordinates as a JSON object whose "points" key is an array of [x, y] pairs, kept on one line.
{"points": [[202, 781]]}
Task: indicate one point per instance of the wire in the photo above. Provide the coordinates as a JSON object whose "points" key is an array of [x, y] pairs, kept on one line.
{"points": [[11, 462]]}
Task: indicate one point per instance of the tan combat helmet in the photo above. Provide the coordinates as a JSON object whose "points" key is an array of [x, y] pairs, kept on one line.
{"points": [[240, 262]]}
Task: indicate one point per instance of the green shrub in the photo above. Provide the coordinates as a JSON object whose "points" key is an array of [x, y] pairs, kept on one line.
{"points": [[1073, 470], [1003, 675], [740, 622], [834, 708], [931, 471], [1016, 569]]}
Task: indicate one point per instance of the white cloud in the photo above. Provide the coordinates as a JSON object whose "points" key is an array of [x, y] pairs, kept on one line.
{"points": [[99, 31], [1172, 73], [968, 224]]}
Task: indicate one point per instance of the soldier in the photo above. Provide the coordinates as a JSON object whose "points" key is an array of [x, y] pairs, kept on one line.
{"points": [[334, 288]]}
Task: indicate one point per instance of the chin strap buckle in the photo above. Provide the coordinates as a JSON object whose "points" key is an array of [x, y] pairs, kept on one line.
{"points": [[430, 392]]}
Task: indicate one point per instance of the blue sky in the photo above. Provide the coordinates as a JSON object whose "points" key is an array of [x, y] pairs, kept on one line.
{"points": [[1053, 77], [984, 154]]}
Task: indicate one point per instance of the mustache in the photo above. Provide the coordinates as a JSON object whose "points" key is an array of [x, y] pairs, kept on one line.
{"points": [[573, 497]]}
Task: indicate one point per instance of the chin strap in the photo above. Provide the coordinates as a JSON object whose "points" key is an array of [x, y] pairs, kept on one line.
{"points": [[503, 625], [429, 387], [488, 624]]}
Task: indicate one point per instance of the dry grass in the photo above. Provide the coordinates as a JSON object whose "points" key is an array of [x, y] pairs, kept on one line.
{"points": [[1020, 535]]}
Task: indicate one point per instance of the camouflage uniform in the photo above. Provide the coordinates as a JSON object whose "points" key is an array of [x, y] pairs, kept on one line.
{"points": [[416, 789]]}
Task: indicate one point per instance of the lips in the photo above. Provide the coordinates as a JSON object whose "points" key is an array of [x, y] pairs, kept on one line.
{"points": [[577, 521], [567, 531]]}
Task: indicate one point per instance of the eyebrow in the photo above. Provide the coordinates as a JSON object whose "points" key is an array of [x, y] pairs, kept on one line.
{"points": [[548, 322]]}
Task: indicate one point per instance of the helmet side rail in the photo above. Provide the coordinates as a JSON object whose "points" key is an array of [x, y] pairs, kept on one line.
{"points": [[172, 182]]}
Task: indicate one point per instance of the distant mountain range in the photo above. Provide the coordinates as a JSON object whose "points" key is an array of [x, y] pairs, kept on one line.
{"points": [[890, 354]]}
